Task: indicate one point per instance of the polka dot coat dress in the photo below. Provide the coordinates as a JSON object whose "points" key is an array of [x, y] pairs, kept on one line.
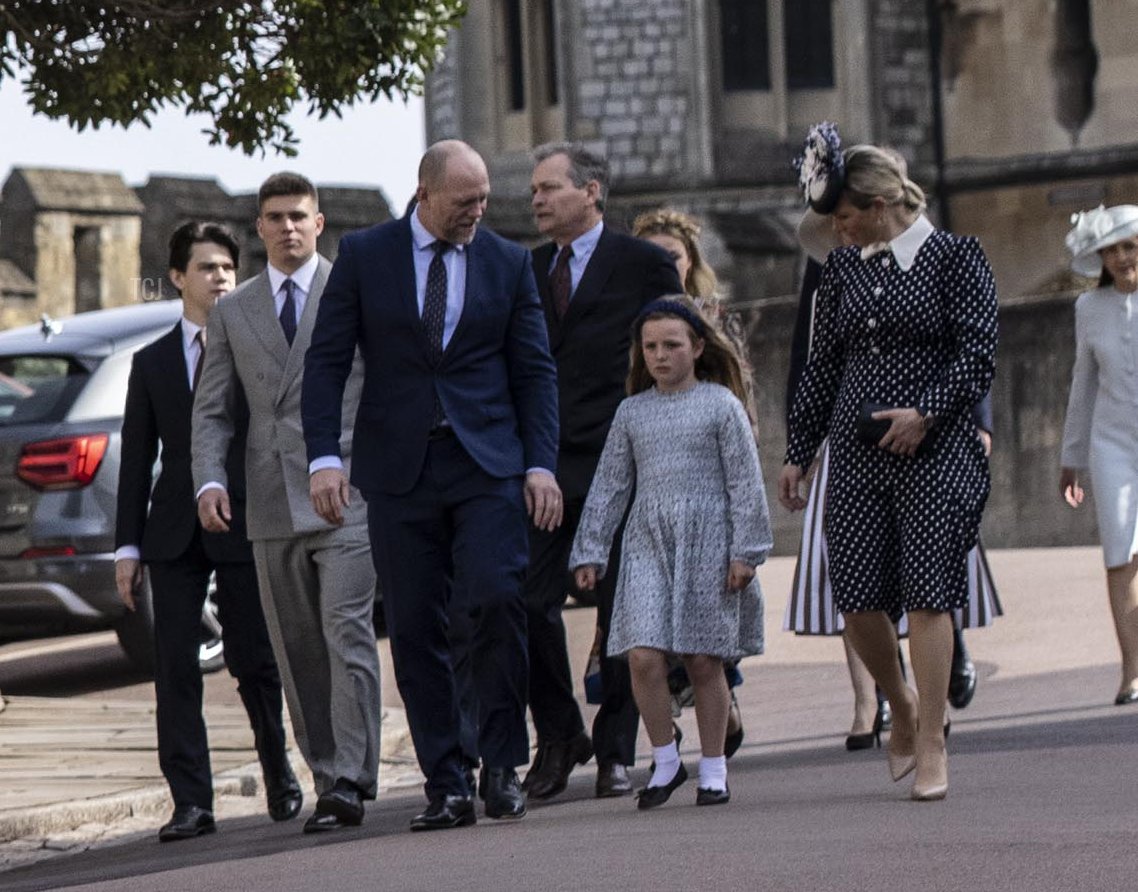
{"points": [[899, 528]]}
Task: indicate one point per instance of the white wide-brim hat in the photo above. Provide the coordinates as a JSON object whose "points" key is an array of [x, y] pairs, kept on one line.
{"points": [[816, 235], [1097, 229]]}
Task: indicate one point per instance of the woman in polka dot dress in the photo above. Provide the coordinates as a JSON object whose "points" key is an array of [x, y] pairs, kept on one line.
{"points": [[905, 337]]}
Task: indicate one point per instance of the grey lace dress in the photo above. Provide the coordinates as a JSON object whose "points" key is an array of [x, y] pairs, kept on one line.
{"points": [[699, 504]]}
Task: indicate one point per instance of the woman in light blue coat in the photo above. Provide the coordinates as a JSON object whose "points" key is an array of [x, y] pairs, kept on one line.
{"points": [[1101, 432]]}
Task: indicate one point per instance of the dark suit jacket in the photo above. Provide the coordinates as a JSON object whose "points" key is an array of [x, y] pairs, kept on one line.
{"points": [[496, 379], [158, 410], [591, 343]]}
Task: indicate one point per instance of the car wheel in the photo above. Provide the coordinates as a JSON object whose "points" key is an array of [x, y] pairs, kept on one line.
{"points": [[135, 631]]}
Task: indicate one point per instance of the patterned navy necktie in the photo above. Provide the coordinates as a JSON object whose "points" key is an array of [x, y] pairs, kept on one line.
{"points": [[435, 301], [288, 311], [560, 282]]}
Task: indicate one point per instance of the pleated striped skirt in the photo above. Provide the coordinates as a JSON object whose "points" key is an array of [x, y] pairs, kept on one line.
{"points": [[811, 610]]}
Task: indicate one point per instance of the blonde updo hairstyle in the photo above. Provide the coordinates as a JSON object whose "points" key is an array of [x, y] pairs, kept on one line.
{"points": [[873, 172], [701, 281]]}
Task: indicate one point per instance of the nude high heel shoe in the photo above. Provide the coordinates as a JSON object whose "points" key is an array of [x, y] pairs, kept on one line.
{"points": [[936, 788]]}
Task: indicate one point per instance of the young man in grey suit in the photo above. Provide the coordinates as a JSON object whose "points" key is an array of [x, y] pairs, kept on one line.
{"points": [[317, 580]]}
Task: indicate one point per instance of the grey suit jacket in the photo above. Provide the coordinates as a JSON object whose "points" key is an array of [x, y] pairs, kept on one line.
{"points": [[247, 348]]}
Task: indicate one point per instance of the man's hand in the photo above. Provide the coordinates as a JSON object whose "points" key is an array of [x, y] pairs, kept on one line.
{"points": [[906, 431], [543, 500], [128, 577], [330, 494], [586, 577], [738, 575], [789, 488], [213, 510]]}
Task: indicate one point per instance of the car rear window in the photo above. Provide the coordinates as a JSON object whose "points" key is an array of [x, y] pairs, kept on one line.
{"points": [[38, 388]]}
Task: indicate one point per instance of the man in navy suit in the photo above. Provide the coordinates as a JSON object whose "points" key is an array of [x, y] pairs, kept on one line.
{"points": [[455, 440], [161, 529]]}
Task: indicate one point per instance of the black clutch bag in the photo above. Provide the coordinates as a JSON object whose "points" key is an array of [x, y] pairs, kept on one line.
{"points": [[870, 430]]}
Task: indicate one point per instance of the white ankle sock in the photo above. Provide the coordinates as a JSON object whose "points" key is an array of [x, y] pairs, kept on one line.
{"points": [[667, 764], [713, 772]]}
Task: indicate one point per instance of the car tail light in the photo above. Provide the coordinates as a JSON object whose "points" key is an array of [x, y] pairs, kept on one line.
{"points": [[48, 551], [66, 463]]}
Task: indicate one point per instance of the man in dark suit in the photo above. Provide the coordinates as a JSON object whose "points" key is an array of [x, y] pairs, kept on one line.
{"points": [[593, 282], [456, 438], [161, 529]]}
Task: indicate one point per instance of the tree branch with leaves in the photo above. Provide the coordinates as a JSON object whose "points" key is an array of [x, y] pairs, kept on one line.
{"points": [[245, 65]]}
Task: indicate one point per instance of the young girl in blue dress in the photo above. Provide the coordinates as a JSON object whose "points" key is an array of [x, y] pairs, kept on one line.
{"points": [[697, 528]]}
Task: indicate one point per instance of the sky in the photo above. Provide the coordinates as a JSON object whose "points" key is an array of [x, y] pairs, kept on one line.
{"points": [[377, 145]]}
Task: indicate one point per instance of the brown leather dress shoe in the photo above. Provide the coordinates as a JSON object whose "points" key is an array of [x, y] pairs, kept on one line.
{"points": [[555, 763], [612, 780]]}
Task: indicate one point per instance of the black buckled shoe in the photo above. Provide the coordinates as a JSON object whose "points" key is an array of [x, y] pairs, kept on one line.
{"points": [[650, 797], [445, 812], [707, 796], [187, 822]]}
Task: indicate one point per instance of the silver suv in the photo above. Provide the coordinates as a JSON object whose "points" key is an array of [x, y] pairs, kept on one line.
{"points": [[62, 392]]}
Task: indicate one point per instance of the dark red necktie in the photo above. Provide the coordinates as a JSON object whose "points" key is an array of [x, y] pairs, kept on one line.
{"points": [[200, 338], [560, 284]]}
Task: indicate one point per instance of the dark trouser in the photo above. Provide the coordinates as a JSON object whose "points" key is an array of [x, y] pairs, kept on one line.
{"points": [[179, 589], [556, 715], [457, 523]]}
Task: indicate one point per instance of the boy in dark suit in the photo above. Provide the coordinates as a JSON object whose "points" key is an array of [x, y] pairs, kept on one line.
{"points": [[160, 528]]}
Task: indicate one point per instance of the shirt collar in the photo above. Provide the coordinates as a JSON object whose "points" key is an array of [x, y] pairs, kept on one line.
{"points": [[584, 244], [421, 237], [189, 332], [906, 245], [302, 277]]}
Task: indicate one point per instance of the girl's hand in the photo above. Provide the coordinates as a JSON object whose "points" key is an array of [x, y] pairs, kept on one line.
{"points": [[1069, 487], [789, 485], [738, 575], [586, 577], [906, 431]]}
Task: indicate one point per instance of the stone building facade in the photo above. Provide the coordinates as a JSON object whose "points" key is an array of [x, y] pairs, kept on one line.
{"points": [[1012, 114], [75, 240]]}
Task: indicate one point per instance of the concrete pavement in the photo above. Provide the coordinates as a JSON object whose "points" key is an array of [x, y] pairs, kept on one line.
{"points": [[1048, 672]]}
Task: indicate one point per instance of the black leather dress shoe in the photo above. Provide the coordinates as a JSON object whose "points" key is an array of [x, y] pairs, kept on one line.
{"points": [[555, 762], [446, 812], [187, 822], [962, 684], [613, 780], [342, 806], [1126, 697], [650, 797], [504, 796], [283, 796], [707, 796]]}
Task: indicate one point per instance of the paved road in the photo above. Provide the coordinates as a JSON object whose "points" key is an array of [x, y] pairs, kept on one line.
{"points": [[1043, 790]]}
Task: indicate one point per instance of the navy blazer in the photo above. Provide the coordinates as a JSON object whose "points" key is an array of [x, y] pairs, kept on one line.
{"points": [[496, 380], [159, 406]]}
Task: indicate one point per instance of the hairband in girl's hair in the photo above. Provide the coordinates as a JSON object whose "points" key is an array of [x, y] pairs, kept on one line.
{"points": [[672, 308]]}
